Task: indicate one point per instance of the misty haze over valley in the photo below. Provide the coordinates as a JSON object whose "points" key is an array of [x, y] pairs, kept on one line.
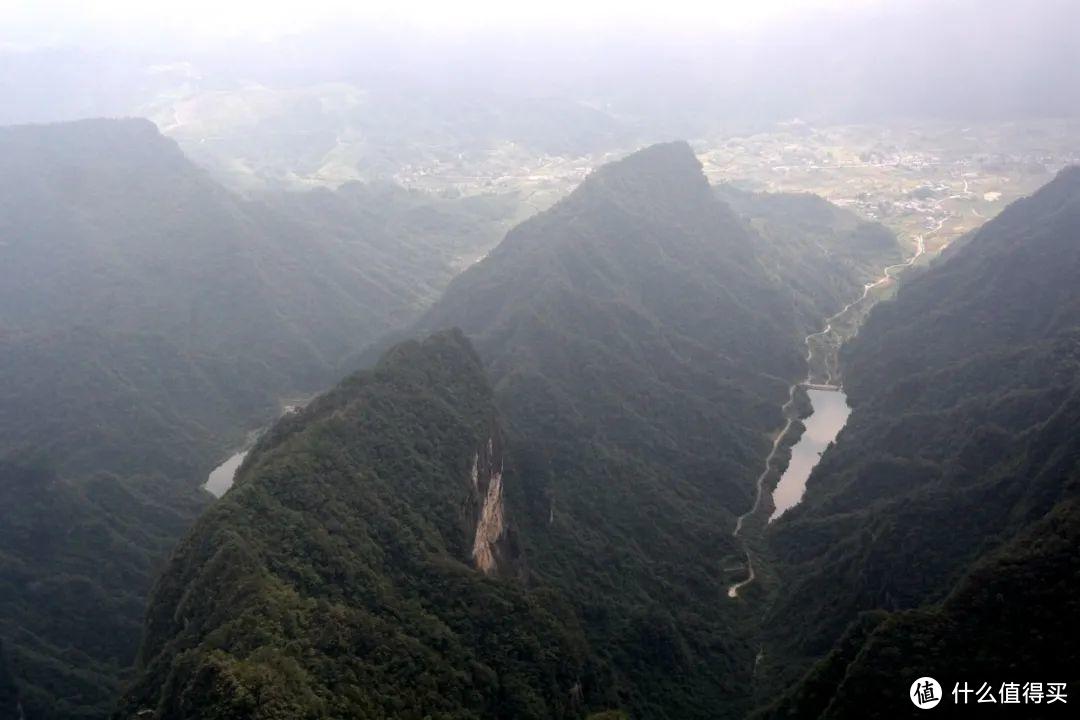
{"points": [[595, 360]]}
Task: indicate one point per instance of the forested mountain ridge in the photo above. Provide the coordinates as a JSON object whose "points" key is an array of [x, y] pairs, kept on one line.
{"points": [[641, 349], [149, 319], [639, 352], [953, 486], [341, 576], [111, 237]]}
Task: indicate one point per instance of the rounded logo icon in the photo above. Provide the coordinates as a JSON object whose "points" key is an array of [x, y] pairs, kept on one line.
{"points": [[925, 693]]}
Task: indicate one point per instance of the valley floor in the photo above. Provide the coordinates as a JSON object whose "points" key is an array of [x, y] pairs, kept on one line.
{"points": [[823, 373]]}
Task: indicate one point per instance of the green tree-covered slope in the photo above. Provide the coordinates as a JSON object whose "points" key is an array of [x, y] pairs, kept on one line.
{"points": [[76, 560], [641, 348], [149, 319], [822, 254], [1011, 619], [338, 577], [128, 277], [639, 351], [953, 486]]}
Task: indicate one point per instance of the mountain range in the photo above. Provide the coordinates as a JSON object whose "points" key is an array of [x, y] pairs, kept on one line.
{"points": [[635, 349], [524, 504]]}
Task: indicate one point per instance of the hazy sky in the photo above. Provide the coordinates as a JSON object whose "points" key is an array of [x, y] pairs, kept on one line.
{"points": [[746, 61], [37, 22]]}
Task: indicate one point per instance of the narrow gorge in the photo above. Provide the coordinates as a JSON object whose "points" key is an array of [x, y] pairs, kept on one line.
{"points": [[822, 391]]}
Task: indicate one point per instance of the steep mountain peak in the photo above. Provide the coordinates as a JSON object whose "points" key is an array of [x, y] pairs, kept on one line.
{"points": [[653, 201], [666, 177], [648, 221], [670, 159]]}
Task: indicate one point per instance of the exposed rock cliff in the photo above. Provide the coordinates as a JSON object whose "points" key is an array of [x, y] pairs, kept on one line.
{"points": [[487, 477]]}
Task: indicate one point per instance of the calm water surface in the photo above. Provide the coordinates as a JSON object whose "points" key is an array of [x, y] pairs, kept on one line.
{"points": [[830, 413], [221, 477]]}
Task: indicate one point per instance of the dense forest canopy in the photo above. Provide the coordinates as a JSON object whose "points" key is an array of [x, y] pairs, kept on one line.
{"points": [[525, 504], [337, 579], [639, 340], [610, 360]]}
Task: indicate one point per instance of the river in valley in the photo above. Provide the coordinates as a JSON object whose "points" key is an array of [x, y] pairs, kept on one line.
{"points": [[830, 413]]}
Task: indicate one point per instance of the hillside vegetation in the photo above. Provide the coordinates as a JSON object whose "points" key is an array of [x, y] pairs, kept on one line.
{"points": [[638, 352], [949, 498], [336, 579], [149, 320], [821, 254], [141, 301], [641, 339]]}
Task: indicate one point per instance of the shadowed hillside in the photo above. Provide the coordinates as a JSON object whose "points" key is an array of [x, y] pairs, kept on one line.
{"points": [[149, 320]]}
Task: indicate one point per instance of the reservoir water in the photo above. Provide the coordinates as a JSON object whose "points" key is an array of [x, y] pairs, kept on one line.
{"points": [[830, 413], [221, 477]]}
